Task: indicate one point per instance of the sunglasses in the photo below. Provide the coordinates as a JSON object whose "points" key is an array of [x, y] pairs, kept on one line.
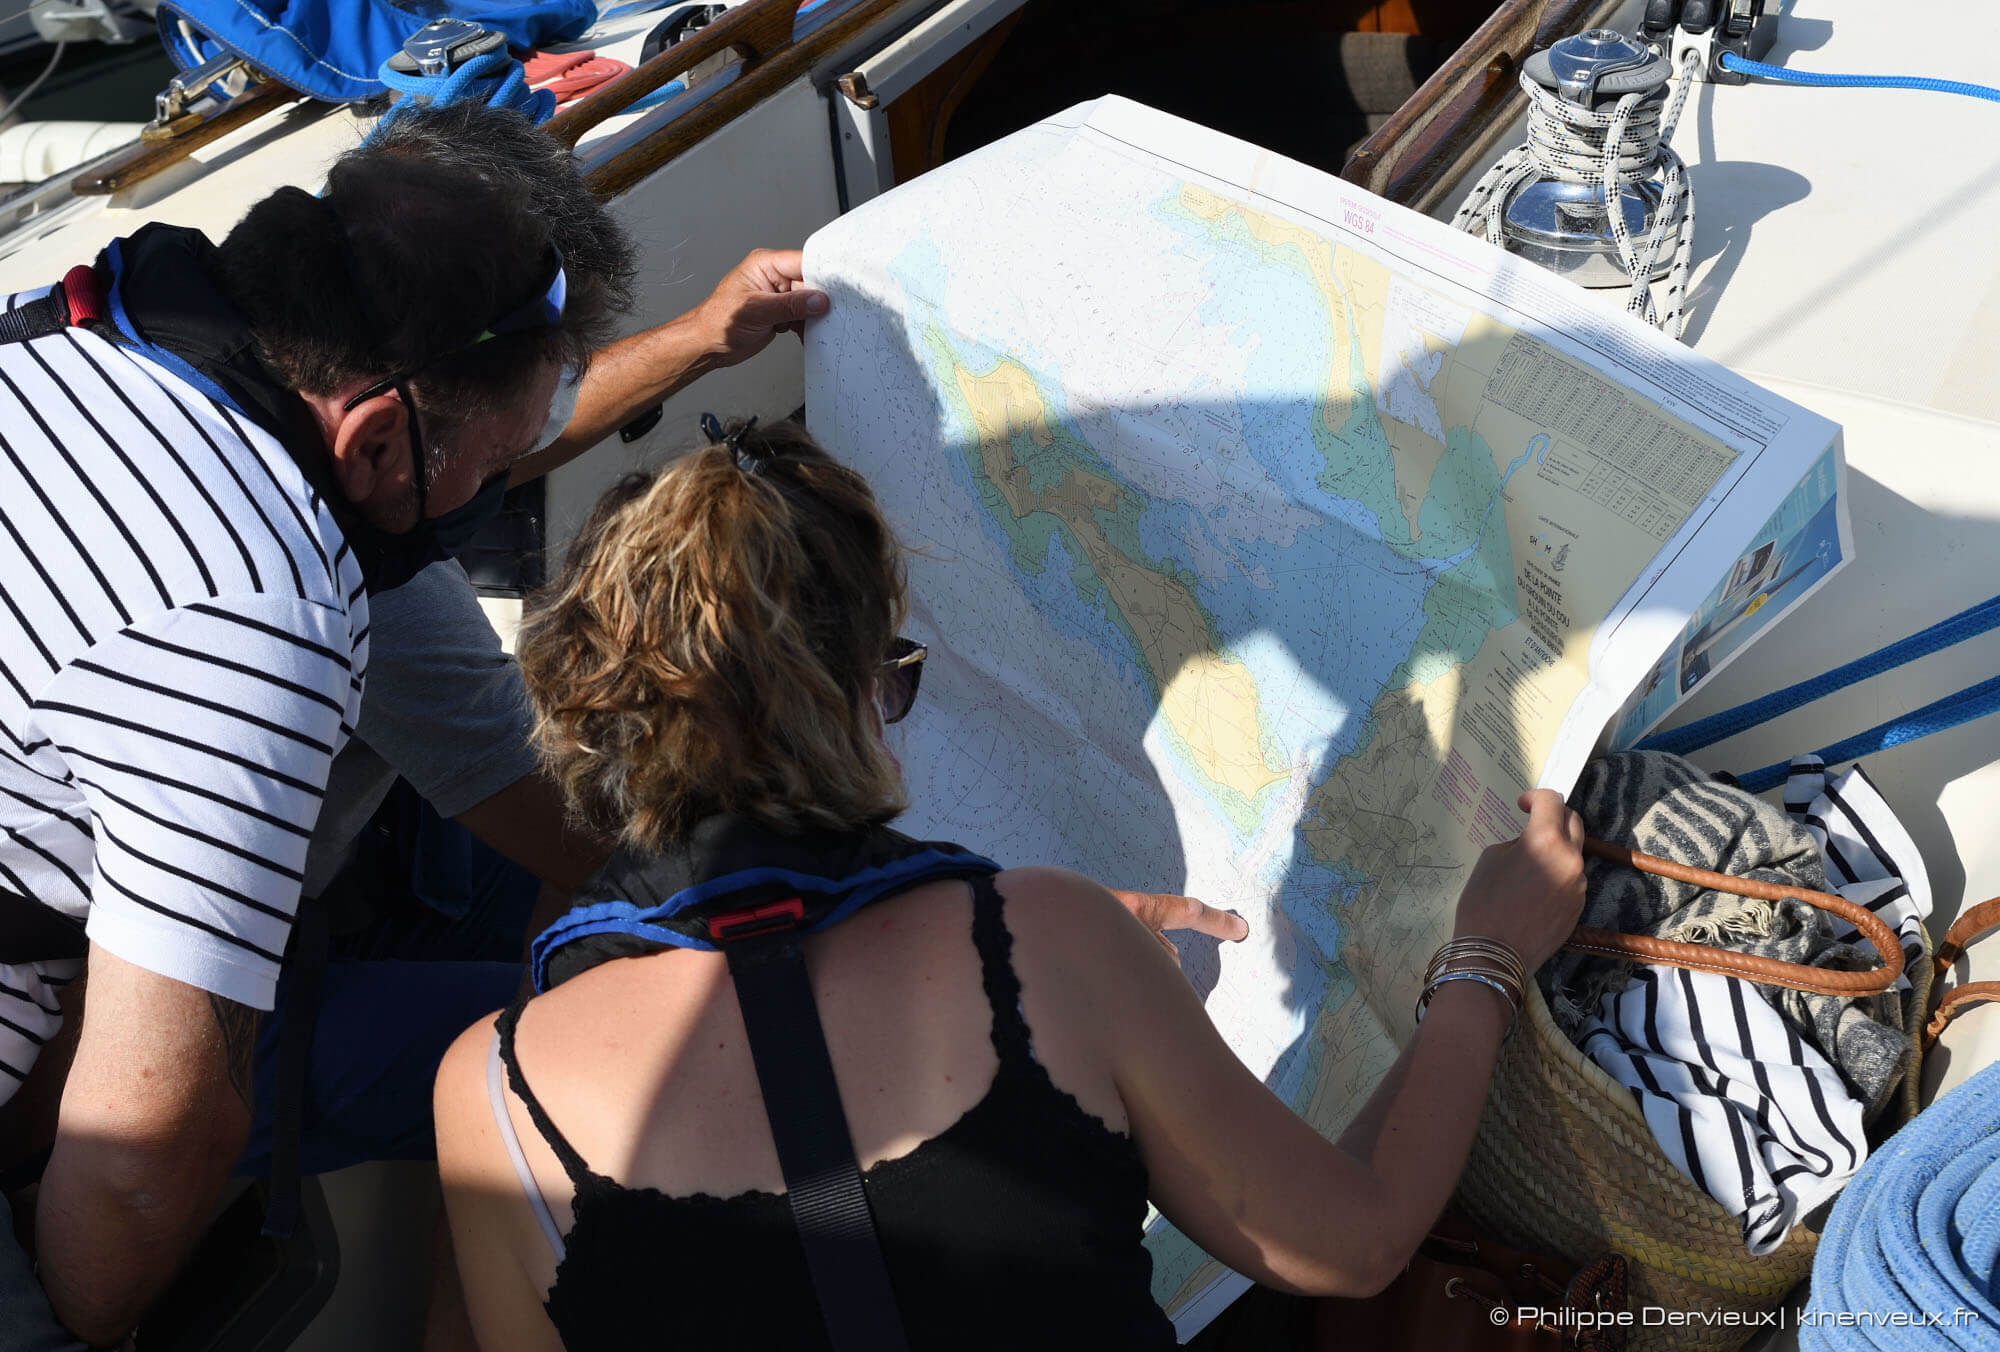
{"points": [[542, 311], [902, 671]]}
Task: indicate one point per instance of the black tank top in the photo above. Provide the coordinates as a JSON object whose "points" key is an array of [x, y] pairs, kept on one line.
{"points": [[1016, 1227]]}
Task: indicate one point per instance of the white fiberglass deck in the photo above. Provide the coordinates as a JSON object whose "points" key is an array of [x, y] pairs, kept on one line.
{"points": [[1845, 257]]}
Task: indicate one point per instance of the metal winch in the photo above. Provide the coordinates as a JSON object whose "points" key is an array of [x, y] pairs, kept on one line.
{"points": [[1560, 217]]}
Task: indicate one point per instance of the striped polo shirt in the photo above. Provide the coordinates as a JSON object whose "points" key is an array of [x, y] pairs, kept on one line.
{"points": [[183, 643]]}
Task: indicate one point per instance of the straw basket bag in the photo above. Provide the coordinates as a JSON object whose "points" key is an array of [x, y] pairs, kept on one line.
{"points": [[1565, 1162]]}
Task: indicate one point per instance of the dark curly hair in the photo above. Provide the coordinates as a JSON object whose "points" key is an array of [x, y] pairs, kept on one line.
{"points": [[427, 233]]}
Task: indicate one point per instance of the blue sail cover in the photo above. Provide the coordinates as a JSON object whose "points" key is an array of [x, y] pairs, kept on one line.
{"points": [[331, 49]]}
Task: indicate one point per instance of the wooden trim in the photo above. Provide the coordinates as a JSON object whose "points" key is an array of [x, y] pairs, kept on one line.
{"points": [[1450, 126], [753, 32], [920, 118], [148, 157], [773, 71]]}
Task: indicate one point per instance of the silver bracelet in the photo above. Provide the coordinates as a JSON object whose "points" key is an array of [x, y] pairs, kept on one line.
{"points": [[1424, 1000]]}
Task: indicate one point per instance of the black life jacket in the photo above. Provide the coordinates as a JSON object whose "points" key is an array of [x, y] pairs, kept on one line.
{"points": [[154, 292], [753, 894]]}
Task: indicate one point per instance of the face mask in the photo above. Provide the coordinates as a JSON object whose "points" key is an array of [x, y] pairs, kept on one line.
{"points": [[392, 560], [455, 531]]}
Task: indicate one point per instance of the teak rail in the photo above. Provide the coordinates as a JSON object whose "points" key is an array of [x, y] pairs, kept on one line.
{"points": [[151, 154], [1451, 126], [1443, 132], [761, 34]]}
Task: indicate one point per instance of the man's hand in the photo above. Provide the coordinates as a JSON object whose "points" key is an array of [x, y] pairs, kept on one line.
{"points": [[1163, 911], [761, 297]]}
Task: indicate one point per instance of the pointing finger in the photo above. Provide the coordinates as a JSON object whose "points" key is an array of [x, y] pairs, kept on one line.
{"points": [[1167, 911]]}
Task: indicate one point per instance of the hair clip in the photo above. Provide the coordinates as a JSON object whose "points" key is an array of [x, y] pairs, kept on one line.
{"points": [[750, 462]]}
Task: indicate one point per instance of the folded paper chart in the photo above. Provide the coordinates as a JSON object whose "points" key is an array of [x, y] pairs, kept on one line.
{"points": [[1269, 540]]}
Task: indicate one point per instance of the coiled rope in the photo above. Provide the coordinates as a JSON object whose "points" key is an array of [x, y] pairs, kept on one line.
{"points": [[494, 77], [1623, 145], [1910, 1260]]}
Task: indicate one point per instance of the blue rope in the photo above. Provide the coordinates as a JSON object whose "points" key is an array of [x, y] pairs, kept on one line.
{"points": [[1820, 80], [1968, 623], [1976, 702], [1916, 1236], [494, 78]]}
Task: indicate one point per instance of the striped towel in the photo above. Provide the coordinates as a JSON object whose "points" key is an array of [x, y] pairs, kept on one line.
{"points": [[1751, 1111]]}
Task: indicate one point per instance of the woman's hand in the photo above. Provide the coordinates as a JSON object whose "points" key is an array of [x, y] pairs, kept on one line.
{"points": [[1163, 911], [1528, 893]]}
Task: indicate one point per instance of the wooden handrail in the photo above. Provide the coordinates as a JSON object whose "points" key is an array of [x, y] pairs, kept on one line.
{"points": [[149, 156], [760, 33], [753, 31], [1451, 125], [771, 72]]}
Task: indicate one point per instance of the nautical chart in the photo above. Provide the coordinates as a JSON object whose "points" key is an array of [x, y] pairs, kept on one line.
{"points": [[1269, 540]]}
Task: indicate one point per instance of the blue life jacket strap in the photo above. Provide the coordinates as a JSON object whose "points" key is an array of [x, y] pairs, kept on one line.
{"points": [[809, 1127], [666, 925]]}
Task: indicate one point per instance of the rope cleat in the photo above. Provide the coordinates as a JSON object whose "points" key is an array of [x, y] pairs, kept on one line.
{"points": [[443, 45], [1708, 29], [1563, 223]]}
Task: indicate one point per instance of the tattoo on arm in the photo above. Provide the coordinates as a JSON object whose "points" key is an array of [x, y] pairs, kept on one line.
{"points": [[238, 1025]]}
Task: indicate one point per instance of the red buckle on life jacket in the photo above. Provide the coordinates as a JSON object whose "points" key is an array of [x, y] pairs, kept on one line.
{"points": [[84, 292], [766, 919]]}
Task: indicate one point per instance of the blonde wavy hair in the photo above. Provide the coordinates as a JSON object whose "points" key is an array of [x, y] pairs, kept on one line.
{"points": [[712, 645]]}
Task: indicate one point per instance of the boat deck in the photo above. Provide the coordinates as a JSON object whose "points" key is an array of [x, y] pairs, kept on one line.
{"points": [[1845, 259]]}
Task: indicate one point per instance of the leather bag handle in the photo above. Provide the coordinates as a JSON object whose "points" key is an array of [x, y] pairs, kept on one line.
{"points": [[1745, 966], [1950, 1003]]}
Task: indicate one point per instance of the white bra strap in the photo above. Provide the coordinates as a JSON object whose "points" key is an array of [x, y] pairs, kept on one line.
{"points": [[496, 1092]]}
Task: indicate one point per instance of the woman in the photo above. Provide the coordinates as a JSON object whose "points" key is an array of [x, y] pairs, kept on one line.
{"points": [[1020, 1066]]}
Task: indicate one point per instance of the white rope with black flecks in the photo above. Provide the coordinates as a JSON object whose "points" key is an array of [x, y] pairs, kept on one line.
{"points": [[1623, 145]]}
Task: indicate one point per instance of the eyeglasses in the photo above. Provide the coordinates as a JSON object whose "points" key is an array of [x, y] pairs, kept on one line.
{"points": [[902, 671], [543, 311], [419, 470]]}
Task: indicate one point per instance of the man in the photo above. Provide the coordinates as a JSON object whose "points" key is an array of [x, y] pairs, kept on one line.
{"points": [[206, 476], [385, 359]]}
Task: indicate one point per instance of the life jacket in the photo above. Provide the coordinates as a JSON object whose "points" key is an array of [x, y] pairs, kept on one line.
{"points": [[90, 297], [730, 879], [153, 293], [734, 886]]}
